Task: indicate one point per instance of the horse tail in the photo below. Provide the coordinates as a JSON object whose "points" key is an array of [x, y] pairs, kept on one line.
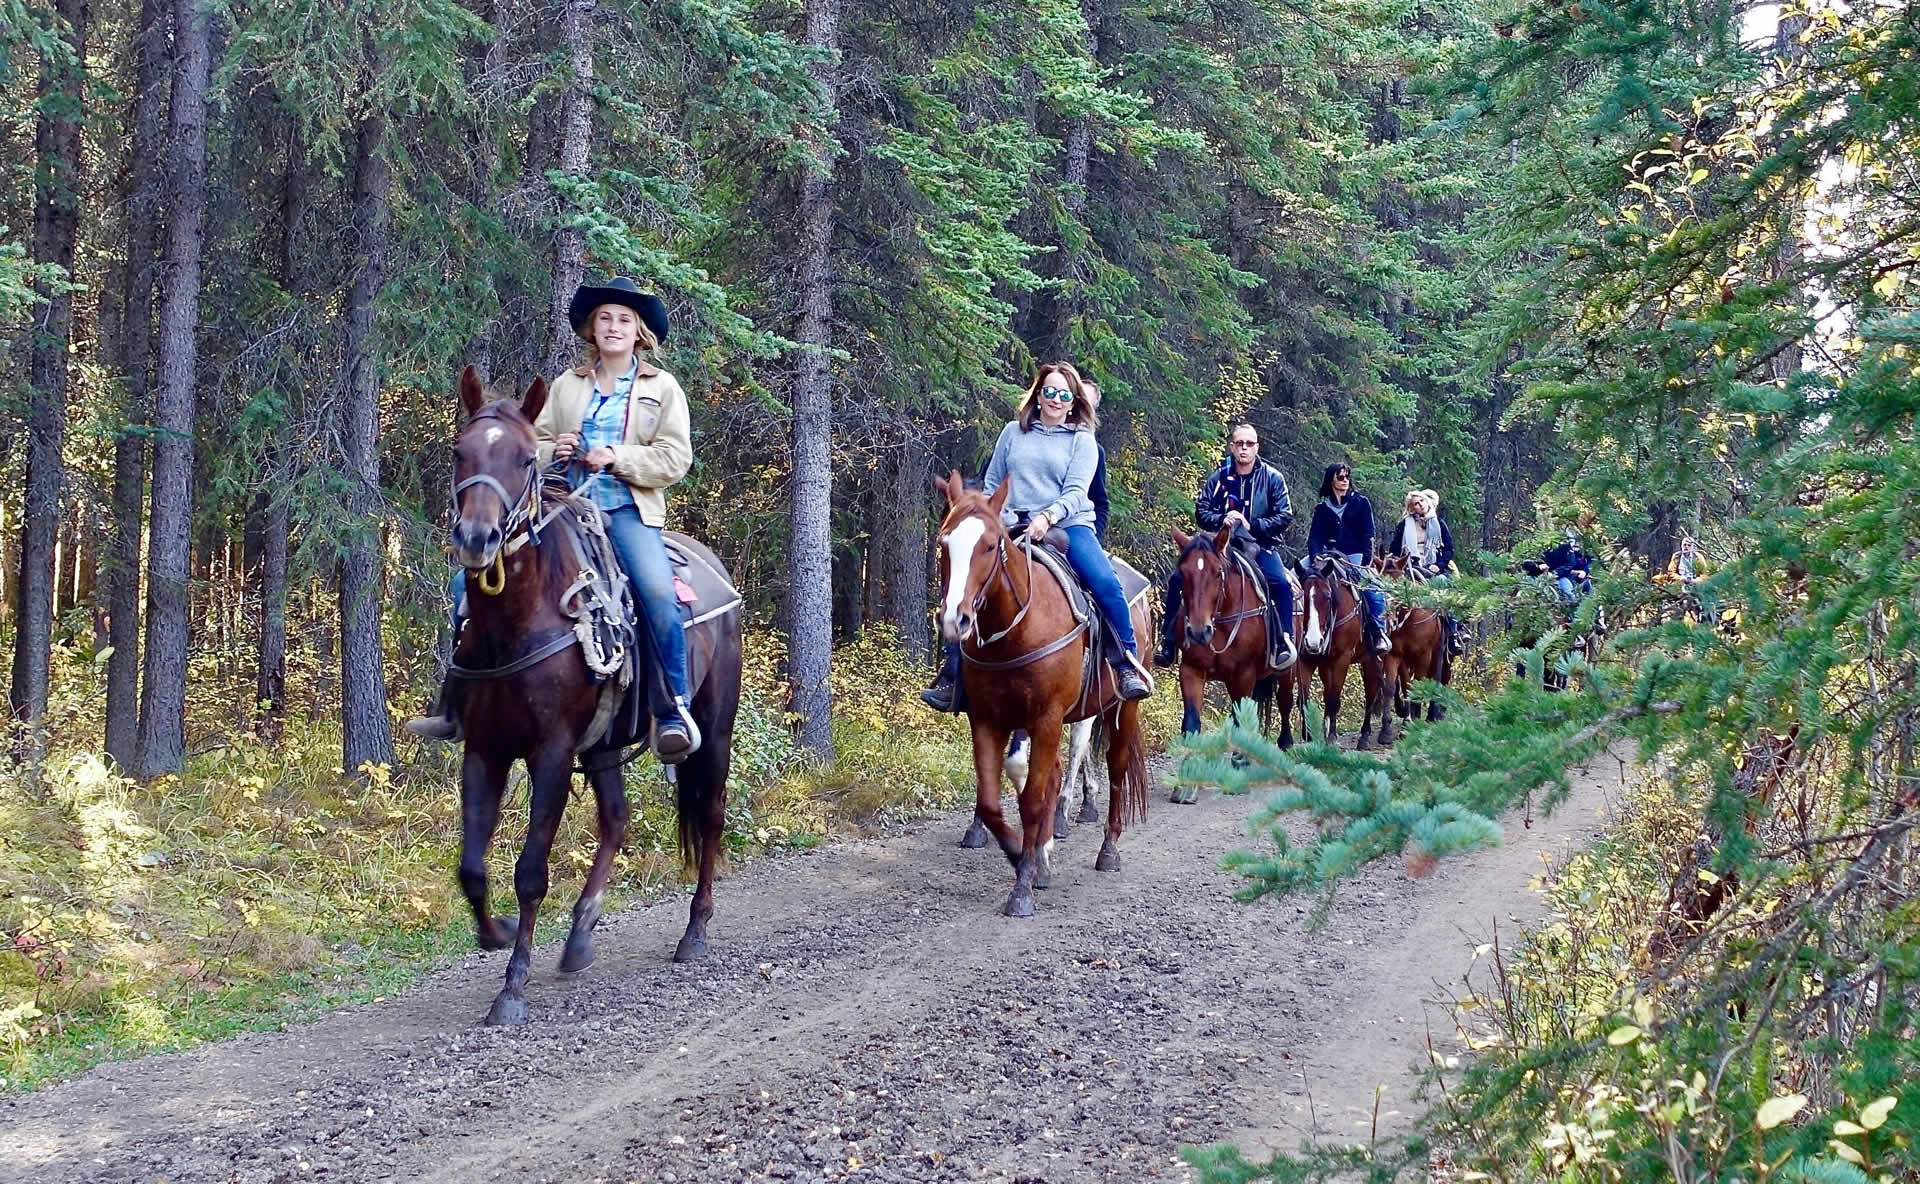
{"points": [[1263, 693], [687, 799], [1133, 782]]}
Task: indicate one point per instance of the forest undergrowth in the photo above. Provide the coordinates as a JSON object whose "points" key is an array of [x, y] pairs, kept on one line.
{"points": [[261, 886]]}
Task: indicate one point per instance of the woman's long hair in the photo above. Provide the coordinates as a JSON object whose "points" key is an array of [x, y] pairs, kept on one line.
{"points": [[1080, 415], [1333, 470]]}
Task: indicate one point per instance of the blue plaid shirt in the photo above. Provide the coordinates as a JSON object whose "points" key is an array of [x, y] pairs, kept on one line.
{"points": [[605, 426]]}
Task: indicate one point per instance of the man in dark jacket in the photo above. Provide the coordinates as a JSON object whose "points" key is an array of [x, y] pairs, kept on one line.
{"points": [[1250, 495], [1570, 565]]}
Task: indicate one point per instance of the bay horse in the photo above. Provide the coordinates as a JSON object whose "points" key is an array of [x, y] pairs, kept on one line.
{"points": [[1023, 657], [1223, 637], [1333, 637], [1419, 651], [528, 695]]}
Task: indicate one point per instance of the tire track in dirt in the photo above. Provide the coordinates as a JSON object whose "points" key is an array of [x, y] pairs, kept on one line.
{"points": [[866, 1014]]}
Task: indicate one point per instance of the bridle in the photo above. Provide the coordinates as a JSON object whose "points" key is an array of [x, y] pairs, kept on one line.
{"points": [[1000, 571], [1329, 574], [1229, 568], [523, 520]]}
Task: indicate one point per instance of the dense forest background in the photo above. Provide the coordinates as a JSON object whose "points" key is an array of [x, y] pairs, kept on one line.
{"points": [[259, 241], [1645, 266]]}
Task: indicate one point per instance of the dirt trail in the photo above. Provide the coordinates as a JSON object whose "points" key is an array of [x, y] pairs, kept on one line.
{"points": [[866, 1014]]}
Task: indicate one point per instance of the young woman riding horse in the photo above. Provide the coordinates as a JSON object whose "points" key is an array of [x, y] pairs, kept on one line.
{"points": [[520, 688], [1333, 634]]}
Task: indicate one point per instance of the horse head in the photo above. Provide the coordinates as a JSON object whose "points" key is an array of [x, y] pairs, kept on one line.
{"points": [[1320, 600], [1203, 580], [1392, 565], [972, 550], [494, 457]]}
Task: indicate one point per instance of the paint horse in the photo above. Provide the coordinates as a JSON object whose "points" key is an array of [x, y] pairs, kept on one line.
{"points": [[1333, 637], [527, 694], [1419, 651], [1025, 665], [1224, 634]]}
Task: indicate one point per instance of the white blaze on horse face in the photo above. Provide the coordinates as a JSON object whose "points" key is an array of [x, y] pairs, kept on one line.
{"points": [[960, 542], [1315, 635], [494, 433]]}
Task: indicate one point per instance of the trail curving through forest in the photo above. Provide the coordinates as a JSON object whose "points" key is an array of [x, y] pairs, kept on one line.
{"points": [[866, 1014]]}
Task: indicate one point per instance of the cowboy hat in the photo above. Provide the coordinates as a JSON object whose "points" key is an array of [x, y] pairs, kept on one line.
{"points": [[618, 290]]}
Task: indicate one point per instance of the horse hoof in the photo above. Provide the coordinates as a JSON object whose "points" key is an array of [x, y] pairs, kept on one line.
{"points": [[508, 1011], [691, 949], [1182, 795], [1043, 878], [577, 958], [1363, 745], [1020, 904], [505, 930], [1088, 813], [1109, 860], [976, 836]]}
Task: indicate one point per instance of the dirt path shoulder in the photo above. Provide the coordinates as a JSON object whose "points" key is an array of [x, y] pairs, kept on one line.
{"points": [[866, 1014]]}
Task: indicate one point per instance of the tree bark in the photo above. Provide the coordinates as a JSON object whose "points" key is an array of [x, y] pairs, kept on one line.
{"points": [[56, 220], [576, 129], [811, 643], [270, 675], [366, 731], [163, 703], [136, 326]]}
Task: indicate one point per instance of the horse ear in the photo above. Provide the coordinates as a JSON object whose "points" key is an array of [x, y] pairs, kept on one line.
{"points": [[473, 392], [534, 399], [1222, 539], [951, 485], [1180, 538], [998, 501]]}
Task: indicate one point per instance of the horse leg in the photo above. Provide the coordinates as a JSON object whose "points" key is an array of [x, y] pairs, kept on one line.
{"points": [[989, 763], [610, 801], [1083, 757], [1444, 676], [1126, 783], [1384, 691], [1333, 680], [1015, 770], [1372, 688], [483, 780], [1033, 869], [1283, 691], [1193, 692], [550, 772], [702, 801]]}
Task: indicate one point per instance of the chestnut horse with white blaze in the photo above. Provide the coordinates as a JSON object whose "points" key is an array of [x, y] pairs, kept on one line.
{"points": [[1333, 636], [1022, 657]]}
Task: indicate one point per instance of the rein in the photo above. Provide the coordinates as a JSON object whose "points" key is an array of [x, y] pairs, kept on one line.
{"points": [[1002, 572], [523, 521], [1220, 599]]}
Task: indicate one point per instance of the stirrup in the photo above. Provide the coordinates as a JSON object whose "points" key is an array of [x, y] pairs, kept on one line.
{"points": [[435, 727], [1288, 655], [664, 730]]}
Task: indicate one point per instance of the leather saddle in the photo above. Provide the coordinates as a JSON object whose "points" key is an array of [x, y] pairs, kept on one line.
{"points": [[1097, 689], [1244, 553]]}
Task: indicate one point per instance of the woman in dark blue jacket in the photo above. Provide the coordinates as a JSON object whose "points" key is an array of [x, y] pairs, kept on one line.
{"points": [[1343, 526]]}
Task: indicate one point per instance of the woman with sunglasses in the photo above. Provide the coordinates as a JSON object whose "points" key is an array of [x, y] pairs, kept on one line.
{"points": [[1343, 526], [1048, 456]]}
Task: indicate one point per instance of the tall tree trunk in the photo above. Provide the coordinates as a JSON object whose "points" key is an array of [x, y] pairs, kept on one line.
{"points": [[905, 524], [366, 731], [811, 646], [130, 447], [1058, 308], [163, 702], [576, 128], [56, 220], [270, 675]]}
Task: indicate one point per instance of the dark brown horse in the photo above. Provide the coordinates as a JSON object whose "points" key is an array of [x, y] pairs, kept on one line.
{"points": [[1024, 654], [1419, 651], [1224, 634], [1333, 636], [528, 695]]}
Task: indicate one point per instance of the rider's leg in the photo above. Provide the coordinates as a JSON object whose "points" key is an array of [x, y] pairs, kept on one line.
{"points": [[643, 555], [1565, 584], [1377, 610], [1170, 624], [944, 694], [441, 721], [1282, 592], [1093, 566]]}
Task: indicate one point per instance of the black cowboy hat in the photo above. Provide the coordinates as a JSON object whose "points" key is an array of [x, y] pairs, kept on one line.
{"points": [[618, 290]]}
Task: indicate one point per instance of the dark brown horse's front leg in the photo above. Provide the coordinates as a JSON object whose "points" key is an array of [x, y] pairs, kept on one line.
{"points": [[610, 798], [1333, 680], [703, 809], [483, 780], [550, 773]]}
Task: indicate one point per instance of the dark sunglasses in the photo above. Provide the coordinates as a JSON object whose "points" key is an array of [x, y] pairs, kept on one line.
{"points": [[1246, 443], [1057, 394]]}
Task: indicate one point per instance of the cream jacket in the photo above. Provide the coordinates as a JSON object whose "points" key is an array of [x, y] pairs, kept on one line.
{"points": [[657, 450]]}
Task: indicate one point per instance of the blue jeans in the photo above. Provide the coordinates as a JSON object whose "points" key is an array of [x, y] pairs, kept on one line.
{"points": [[1567, 592], [1375, 598], [1090, 562], [643, 556]]}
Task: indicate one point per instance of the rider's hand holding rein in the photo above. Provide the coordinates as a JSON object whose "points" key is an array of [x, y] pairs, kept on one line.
{"points": [[564, 446], [1038, 526]]}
